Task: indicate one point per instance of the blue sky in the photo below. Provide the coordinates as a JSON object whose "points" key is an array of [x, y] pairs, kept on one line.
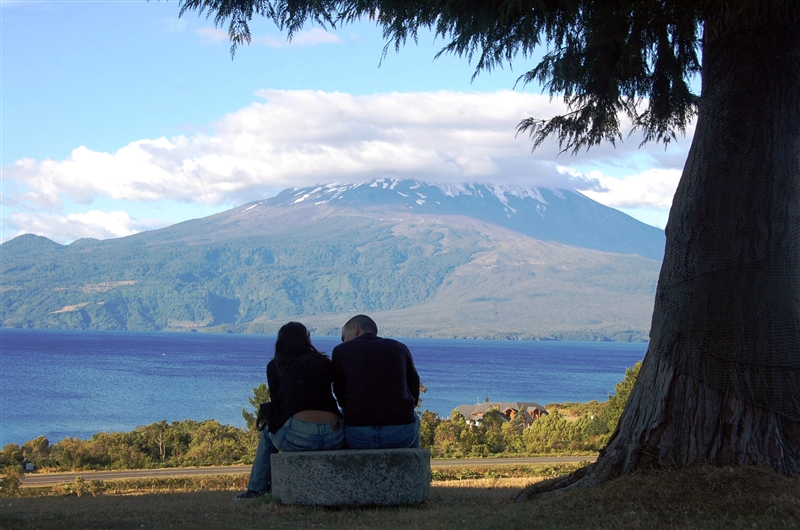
{"points": [[119, 117]]}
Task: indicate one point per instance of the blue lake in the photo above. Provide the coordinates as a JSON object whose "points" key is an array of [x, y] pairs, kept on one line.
{"points": [[77, 383]]}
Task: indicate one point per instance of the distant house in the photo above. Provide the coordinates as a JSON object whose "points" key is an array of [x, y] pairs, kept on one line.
{"points": [[532, 411]]}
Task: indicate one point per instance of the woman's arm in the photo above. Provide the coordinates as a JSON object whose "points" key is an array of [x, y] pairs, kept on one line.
{"points": [[272, 380]]}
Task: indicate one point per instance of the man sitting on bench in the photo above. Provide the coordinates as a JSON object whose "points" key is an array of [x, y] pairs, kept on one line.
{"points": [[377, 387]]}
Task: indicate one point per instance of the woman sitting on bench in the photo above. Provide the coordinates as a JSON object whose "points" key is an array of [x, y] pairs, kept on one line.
{"points": [[303, 415]]}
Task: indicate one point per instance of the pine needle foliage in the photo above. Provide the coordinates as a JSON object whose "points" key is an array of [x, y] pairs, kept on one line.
{"points": [[607, 58]]}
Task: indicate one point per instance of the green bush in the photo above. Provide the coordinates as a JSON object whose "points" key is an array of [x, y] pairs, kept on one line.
{"points": [[10, 481]]}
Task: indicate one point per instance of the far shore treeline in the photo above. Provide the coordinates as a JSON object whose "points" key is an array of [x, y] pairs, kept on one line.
{"points": [[569, 428]]}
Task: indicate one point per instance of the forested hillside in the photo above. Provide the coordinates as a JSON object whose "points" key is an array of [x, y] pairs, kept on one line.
{"points": [[419, 275]]}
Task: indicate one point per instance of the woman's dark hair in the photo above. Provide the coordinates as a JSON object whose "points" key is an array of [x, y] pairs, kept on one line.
{"points": [[293, 342]]}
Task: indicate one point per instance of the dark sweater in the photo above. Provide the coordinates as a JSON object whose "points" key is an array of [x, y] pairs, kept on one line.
{"points": [[306, 385], [375, 381]]}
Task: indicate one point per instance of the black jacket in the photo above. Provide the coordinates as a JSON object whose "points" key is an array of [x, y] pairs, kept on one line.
{"points": [[375, 381], [306, 385]]}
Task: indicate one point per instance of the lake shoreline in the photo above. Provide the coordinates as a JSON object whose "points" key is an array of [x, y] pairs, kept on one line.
{"points": [[76, 383]]}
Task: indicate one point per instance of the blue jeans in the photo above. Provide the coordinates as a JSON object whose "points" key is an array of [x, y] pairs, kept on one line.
{"points": [[261, 473], [295, 435], [383, 436], [298, 435]]}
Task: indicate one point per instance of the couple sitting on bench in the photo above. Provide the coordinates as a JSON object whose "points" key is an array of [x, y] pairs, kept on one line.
{"points": [[374, 381]]}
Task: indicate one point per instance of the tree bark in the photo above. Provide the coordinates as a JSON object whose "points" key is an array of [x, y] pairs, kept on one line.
{"points": [[720, 382]]}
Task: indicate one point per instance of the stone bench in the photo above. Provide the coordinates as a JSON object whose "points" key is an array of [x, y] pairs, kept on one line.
{"points": [[352, 477]]}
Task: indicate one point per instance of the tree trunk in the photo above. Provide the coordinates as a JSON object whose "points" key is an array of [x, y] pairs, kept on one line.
{"points": [[720, 382]]}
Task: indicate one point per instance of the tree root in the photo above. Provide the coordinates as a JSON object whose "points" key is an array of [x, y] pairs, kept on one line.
{"points": [[554, 486]]}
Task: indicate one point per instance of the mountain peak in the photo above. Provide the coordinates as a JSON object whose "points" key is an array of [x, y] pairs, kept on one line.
{"points": [[548, 214], [410, 192]]}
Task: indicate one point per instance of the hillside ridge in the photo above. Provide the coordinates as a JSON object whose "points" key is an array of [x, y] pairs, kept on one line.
{"points": [[427, 260]]}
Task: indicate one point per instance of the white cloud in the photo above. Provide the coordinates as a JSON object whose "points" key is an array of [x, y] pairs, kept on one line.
{"points": [[212, 34], [308, 37], [299, 138], [311, 37], [176, 25], [646, 196], [65, 229], [653, 189]]}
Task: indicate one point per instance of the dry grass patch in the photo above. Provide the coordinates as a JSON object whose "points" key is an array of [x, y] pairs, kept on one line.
{"points": [[703, 498]]}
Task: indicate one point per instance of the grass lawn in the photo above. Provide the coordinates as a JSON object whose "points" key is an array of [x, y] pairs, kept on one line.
{"points": [[705, 497]]}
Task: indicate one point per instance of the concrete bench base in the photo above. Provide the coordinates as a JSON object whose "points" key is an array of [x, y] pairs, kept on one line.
{"points": [[352, 477]]}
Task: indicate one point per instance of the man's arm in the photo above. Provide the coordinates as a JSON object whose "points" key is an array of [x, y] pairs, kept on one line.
{"points": [[412, 378]]}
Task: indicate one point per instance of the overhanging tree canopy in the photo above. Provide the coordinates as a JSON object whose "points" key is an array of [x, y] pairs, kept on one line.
{"points": [[605, 58], [721, 380]]}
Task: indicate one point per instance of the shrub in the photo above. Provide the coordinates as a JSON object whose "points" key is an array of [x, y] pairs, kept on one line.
{"points": [[10, 481]]}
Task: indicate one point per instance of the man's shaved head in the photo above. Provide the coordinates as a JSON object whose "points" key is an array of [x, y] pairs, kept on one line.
{"points": [[364, 323]]}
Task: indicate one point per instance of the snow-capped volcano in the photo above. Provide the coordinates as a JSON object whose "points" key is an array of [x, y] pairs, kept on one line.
{"points": [[475, 261], [559, 215]]}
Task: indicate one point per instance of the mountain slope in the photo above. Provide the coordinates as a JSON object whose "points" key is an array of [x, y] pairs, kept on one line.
{"points": [[466, 265], [561, 216]]}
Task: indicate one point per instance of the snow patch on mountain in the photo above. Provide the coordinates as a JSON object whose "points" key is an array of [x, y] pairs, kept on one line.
{"points": [[548, 214], [405, 188]]}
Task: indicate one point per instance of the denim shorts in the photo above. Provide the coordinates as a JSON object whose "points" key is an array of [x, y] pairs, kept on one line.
{"points": [[298, 435]]}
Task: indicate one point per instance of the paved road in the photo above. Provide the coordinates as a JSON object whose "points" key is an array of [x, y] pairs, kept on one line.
{"points": [[46, 479], [509, 461]]}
